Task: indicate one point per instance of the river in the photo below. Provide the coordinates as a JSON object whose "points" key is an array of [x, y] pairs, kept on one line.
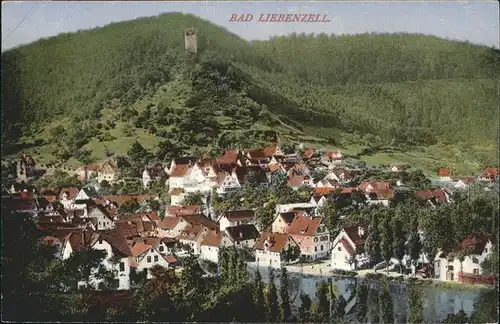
{"points": [[438, 302]]}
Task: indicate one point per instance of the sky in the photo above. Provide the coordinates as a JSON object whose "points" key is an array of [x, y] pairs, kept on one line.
{"points": [[477, 22]]}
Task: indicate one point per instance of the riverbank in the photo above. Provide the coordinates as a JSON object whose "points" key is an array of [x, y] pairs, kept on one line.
{"points": [[322, 269]]}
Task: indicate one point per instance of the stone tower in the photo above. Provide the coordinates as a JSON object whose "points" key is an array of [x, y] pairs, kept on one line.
{"points": [[190, 40]]}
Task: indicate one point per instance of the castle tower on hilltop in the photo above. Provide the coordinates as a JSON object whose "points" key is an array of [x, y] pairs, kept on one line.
{"points": [[190, 40]]}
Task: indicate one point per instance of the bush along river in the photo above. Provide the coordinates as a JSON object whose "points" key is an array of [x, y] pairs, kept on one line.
{"points": [[438, 302]]}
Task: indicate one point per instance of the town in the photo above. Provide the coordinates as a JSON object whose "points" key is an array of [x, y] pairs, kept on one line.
{"points": [[304, 207]]}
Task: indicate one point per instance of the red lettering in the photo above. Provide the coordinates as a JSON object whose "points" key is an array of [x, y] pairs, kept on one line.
{"points": [[261, 18], [289, 18], [274, 18], [311, 18], [304, 18], [281, 17], [233, 17]]}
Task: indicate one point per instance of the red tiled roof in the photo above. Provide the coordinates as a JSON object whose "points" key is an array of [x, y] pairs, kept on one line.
{"points": [[377, 185], [476, 243], [256, 154], [72, 192], [323, 191], [445, 172], [304, 226], [438, 194], [120, 200], [239, 215], [194, 220], [139, 248], [229, 157], [296, 181], [170, 259], [277, 241], [491, 172], [180, 170], [213, 238], [169, 223], [151, 216], [308, 153], [271, 150], [183, 210]]}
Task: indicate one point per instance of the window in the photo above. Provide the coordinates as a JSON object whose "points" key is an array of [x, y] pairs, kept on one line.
{"points": [[321, 247], [485, 250], [339, 248], [475, 260], [315, 239], [315, 249], [151, 250], [149, 259], [161, 248], [475, 271], [156, 258], [122, 266]]}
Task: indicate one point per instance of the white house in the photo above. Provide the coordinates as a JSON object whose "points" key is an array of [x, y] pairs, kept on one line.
{"points": [[67, 197], [447, 266], [348, 246], [117, 253], [103, 220], [171, 227], [145, 256], [177, 175], [270, 249], [177, 195], [235, 218], [210, 246], [464, 183]]}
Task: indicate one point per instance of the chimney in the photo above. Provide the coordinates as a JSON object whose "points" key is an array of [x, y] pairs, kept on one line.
{"points": [[361, 231]]}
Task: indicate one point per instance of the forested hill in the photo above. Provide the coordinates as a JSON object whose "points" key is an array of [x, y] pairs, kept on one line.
{"points": [[134, 79]]}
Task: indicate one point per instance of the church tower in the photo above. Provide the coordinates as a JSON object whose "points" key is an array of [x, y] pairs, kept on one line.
{"points": [[190, 40]]}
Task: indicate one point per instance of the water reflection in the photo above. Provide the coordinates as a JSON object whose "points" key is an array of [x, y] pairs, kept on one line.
{"points": [[438, 302]]}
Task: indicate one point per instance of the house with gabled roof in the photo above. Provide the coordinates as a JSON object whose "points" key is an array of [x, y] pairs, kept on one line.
{"points": [[271, 249], [490, 174], [464, 183], [332, 159], [445, 174], [188, 160], [178, 174], [151, 174], [311, 235], [282, 221], [210, 245], [177, 195], [103, 219], [231, 157], [145, 256], [235, 218], [171, 226], [476, 248], [193, 235], [434, 197], [67, 197], [240, 236], [348, 249]]}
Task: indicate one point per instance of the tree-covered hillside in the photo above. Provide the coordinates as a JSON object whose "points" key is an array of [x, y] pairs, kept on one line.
{"points": [[101, 89]]}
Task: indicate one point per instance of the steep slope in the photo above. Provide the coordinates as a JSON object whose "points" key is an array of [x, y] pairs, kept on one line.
{"points": [[103, 88]]}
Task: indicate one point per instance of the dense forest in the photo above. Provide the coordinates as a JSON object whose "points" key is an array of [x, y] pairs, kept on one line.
{"points": [[135, 77]]}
